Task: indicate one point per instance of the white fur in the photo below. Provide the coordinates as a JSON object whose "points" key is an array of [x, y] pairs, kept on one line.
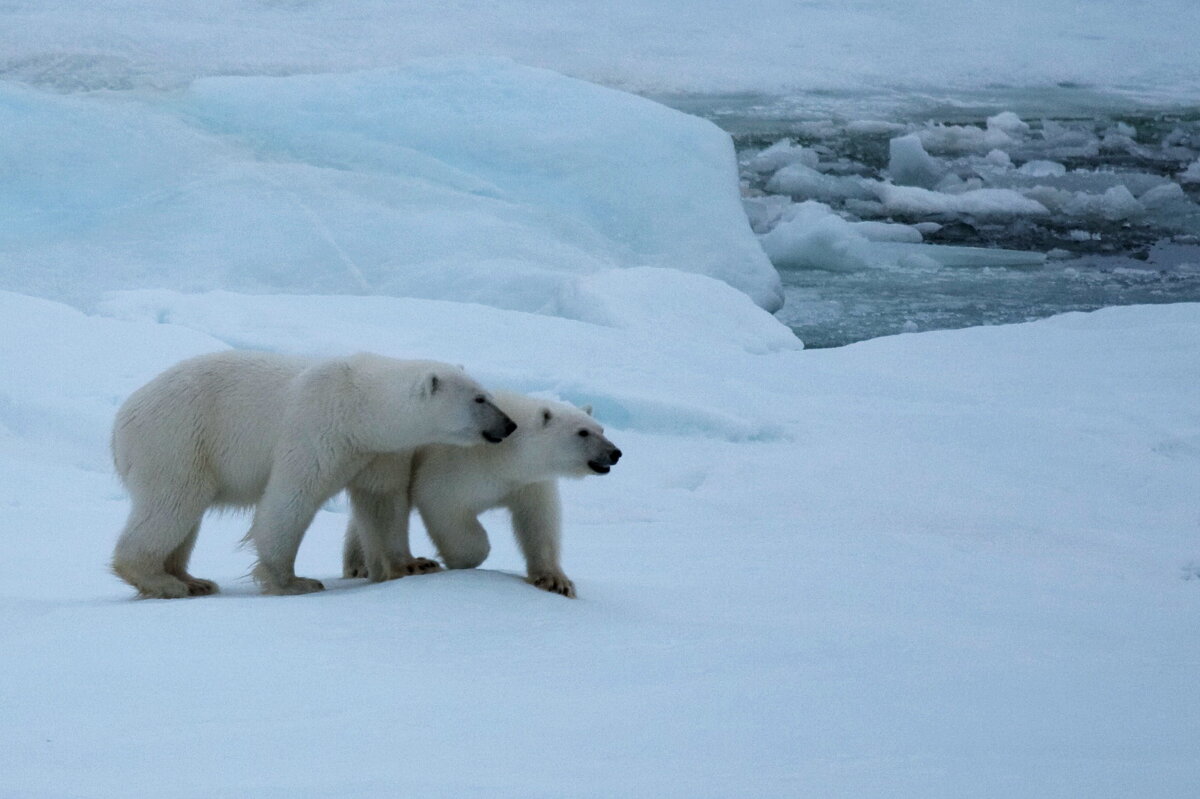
{"points": [[451, 486], [240, 429]]}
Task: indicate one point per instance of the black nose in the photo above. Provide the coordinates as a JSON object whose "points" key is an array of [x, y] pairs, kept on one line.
{"points": [[509, 427], [615, 455]]}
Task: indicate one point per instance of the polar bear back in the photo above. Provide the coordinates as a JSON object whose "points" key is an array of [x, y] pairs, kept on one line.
{"points": [[214, 417]]}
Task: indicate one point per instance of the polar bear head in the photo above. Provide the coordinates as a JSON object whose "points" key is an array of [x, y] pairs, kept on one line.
{"points": [[555, 439], [465, 411], [413, 403]]}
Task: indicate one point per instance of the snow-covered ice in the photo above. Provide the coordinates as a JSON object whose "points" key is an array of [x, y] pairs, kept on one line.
{"points": [[929, 565], [362, 183], [941, 564]]}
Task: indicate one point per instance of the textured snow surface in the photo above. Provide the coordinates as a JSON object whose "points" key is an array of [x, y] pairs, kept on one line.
{"points": [[946, 564]]}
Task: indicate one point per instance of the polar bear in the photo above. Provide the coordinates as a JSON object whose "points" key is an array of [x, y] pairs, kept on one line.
{"points": [[451, 486], [284, 434]]}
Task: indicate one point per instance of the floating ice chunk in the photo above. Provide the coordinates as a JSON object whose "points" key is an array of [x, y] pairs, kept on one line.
{"points": [[1117, 143], [873, 127], [1191, 174], [917, 255], [953, 184], [887, 231], [999, 158], [910, 165], [918, 262], [982, 203], [780, 154], [1164, 196], [1042, 169], [805, 183], [1008, 123], [949, 139], [1117, 204], [764, 212], [1066, 142], [1092, 182], [813, 237]]}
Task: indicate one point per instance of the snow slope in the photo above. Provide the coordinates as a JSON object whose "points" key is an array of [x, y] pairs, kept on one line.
{"points": [[947, 564]]}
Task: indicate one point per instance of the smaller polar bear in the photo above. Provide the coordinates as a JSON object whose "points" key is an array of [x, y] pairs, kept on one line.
{"points": [[451, 486], [283, 434]]}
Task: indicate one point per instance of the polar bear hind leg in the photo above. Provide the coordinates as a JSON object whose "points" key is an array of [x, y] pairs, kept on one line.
{"points": [[153, 550], [177, 562]]}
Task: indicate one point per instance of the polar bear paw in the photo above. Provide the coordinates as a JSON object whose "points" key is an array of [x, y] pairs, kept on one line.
{"points": [[198, 586], [416, 566], [554, 582], [395, 568], [296, 585]]}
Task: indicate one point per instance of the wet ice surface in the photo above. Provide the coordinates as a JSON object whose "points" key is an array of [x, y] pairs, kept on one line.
{"points": [[951, 217]]}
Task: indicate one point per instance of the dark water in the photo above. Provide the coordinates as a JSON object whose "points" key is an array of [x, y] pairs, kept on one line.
{"points": [[829, 309]]}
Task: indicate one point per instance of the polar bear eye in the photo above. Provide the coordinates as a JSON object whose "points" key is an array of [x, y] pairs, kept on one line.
{"points": [[584, 434], [479, 400]]}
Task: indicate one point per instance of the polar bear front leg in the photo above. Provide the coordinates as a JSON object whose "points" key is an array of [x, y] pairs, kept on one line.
{"points": [[537, 523], [459, 537], [284, 513], [379, 529]]}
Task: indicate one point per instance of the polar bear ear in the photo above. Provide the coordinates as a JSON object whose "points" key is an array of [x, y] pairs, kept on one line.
{"points": [[546, 416], [587, 409]]}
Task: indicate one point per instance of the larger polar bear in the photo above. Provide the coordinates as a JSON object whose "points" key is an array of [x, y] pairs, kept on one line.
{"points": [[451, 486], [284, 434]]}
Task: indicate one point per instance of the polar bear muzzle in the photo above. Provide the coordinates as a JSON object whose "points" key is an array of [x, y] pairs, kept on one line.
{"points": [[604, 464]]}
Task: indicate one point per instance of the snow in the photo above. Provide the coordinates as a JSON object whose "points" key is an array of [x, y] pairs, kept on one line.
{"points": [[362, 183], [929, 49], [920, 565], [937, 564]]}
